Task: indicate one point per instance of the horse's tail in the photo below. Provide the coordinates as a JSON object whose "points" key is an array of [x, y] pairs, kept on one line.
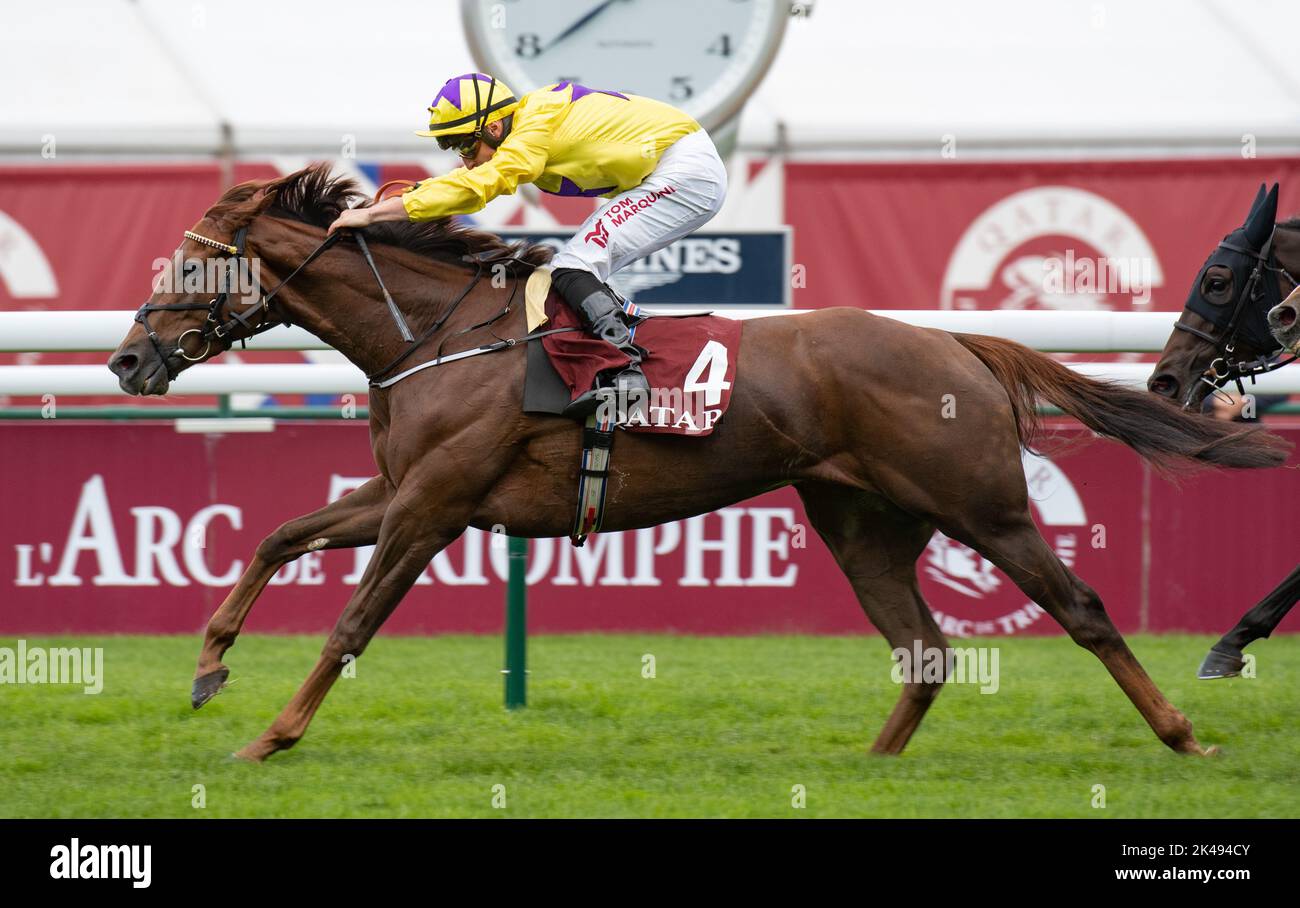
{"points": [[1158, 430]]}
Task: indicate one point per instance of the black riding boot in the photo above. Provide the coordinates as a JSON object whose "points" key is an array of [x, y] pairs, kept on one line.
{"points": [[604, 318]]}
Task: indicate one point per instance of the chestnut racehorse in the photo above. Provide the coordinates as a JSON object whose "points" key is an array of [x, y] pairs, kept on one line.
{"points": [[887, 431]]}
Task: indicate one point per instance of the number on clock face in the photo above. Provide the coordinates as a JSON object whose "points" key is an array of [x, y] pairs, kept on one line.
{"points": [[695, 54]]}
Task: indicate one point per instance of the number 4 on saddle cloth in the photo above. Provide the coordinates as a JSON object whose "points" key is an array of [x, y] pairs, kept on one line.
{"points": [[689, 362]]}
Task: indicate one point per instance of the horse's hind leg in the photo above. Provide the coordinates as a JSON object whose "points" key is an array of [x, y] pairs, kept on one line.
{"points": [[1004, 533], [350, 521], [876, 545]]}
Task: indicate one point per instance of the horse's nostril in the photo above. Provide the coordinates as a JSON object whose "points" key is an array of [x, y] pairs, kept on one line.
{"points": [[1284, 316], [125, 364]]}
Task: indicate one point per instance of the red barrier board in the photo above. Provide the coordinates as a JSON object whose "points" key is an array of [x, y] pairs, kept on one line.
{"points": [[139, 529], [978, 235], [878, 235]]}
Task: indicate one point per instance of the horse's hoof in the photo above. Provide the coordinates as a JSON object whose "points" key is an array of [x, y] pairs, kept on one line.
{"points": [[206, 687], [1219, 664], [257, 750], [1211, 751]]}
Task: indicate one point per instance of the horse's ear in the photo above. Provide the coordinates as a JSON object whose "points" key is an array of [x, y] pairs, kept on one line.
{"points": [[262, 200], [1259, 226], [1259, 197]]}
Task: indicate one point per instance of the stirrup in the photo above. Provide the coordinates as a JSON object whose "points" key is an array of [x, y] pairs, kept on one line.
{"points": [[584, 405], [628, 398]]}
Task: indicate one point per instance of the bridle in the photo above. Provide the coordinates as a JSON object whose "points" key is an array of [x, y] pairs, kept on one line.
{"points": [[1225, 367], [218, 326]]}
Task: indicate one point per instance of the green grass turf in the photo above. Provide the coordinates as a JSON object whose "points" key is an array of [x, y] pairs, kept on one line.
{"points": [[727, 728]]}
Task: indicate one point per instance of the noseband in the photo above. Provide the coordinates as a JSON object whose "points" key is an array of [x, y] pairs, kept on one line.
{"points": [[218, 327], [1225, 367]]}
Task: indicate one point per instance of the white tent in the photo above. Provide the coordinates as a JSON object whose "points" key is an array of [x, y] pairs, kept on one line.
{"points": [[254, 78]]}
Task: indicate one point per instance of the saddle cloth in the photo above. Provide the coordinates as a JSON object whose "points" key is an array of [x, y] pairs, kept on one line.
{"points": [[690, 363]]}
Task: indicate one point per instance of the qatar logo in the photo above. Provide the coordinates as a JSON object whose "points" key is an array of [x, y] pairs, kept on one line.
{"points": [[968, 595], [1052, 247], [24, 270]]}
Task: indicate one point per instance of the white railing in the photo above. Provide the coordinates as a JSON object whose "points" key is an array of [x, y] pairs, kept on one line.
{"points": [[102, 331], [1058, 332], [35, 381]]}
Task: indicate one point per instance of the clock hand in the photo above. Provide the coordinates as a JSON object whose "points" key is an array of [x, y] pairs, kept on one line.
{"points": [[577, 25]]}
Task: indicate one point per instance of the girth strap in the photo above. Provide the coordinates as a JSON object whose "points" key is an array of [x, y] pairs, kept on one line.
{"points": [[465, 354]]}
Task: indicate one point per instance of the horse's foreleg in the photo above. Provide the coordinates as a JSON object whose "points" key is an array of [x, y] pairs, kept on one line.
{"points": [[405, 547], [351, 521], [1225, 658]]}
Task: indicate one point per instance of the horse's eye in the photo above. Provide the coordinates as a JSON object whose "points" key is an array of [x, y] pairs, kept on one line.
{"points": [[1218, 285]]}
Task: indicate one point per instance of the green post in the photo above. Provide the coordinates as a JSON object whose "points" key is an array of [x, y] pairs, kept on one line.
{"points": [[516, 670]]}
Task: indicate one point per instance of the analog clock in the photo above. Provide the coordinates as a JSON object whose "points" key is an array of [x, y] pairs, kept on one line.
{"points": [[703, 56]]}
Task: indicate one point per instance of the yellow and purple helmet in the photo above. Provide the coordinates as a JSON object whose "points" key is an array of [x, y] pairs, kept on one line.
{"points": [[465, 104]]}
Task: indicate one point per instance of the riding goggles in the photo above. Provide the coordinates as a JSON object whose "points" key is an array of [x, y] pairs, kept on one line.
{"points": [[464, 144]]}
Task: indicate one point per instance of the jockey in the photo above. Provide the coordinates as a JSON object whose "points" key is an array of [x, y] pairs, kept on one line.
{"points": [[657, 167]]}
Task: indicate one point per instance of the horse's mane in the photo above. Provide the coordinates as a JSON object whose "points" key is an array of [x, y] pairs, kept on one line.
{"points": [[314, 196]]}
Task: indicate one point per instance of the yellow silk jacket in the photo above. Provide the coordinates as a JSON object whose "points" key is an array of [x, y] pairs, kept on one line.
{"points": [[566, 139]]}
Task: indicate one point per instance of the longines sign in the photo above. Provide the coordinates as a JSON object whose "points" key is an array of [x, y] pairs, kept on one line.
{"points": [[706, 270]]}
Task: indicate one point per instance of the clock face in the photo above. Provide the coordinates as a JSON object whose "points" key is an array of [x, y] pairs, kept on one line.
{"points": [[703, 56]]}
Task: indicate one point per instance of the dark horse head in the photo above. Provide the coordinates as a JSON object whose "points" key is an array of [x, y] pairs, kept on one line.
{"points": [[1223, 334]]}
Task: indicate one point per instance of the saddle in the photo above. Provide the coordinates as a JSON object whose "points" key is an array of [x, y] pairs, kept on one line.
{"points": [[690, 363]]}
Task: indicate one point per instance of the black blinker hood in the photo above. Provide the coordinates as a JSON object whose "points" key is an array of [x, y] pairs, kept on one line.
{"points": [[1240, 252]]}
